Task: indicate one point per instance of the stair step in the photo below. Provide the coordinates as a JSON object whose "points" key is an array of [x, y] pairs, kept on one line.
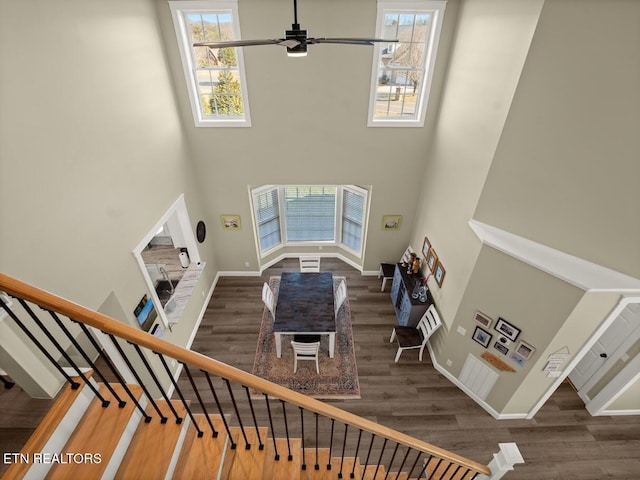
{"points": [[149, 453], [370, 472], [52, 421], [323, 459], [246, 464], [283, 469], [347, 467], [201, 457], [98, 432]]}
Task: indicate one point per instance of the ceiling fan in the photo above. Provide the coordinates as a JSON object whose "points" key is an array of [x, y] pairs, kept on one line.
{"points": [[295, 40]]}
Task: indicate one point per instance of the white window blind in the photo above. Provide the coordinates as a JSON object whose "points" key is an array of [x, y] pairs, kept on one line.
{"points": [[267, 218], [310, 213], [353, 211]]}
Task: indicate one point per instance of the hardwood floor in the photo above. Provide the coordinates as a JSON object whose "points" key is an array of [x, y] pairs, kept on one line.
{"points": [[562, 442]]}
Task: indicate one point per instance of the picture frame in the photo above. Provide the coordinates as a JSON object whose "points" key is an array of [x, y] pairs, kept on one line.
{"points": [[426, 246], [483, 319], [432, 260], [501, 348], [517, 359], [506, 329], [391, 222], [481, 336], [525, 350], [439, 273], [231, 222]]}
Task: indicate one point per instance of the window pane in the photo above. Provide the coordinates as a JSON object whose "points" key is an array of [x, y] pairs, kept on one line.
{"points": [[268, 218], [352, 219], [310, 213]]}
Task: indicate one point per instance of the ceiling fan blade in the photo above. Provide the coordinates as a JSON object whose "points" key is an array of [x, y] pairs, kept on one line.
{"points": [[242, 43], [351, 41]]}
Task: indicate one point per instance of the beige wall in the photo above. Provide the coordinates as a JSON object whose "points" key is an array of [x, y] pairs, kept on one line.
{"points": [[92, 151], [309, 118], [566, 170], [629, 400], [490, 47]]}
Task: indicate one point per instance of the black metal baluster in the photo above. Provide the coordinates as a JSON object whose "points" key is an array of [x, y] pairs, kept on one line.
{"points": [[224, 419], [247, 445], [255, 422], [355, 457], [366, 462], [426, 465], [65, 330], [74, 385], [108, 362], [393, 457], [453, 475], [446, 470], [414, 464], [286, 430], [304, 463], [147, 417], [163, 418], [404, 460], [179, 392], [333, 421], [344, 445], [375, 474], [214, 433], [56, 344], [273, 432], [317, 465], [475, 475]]}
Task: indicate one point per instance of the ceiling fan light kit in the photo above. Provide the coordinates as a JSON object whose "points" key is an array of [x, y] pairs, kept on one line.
{"points": [[295, 40]]}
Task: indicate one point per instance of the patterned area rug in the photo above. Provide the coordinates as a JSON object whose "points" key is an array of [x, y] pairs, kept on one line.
{"points": [[338, 376]]}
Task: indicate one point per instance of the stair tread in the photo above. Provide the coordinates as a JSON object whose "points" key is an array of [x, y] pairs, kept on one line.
{"points": [[201, 457], [323, 459], [247, 464], [283, 469], [98, 432], [47, 426], [347, 467], [148, 455]]}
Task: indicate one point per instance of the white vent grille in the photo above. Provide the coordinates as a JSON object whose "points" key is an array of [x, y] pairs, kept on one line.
{"points": [[478, 377]]}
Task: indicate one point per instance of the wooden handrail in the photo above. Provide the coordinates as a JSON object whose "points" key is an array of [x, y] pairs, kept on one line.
{"points": [[102, 322]]}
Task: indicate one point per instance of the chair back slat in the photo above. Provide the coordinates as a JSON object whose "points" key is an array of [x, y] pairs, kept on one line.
{"points": [[269, 299], [340, 297], [309, 264]]}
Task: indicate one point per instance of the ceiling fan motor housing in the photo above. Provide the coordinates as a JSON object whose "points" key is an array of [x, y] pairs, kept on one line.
{"points": [[298, 35]]}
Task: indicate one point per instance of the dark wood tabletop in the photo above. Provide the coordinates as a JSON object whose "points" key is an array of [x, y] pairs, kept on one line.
{"points": [[305, 303]]}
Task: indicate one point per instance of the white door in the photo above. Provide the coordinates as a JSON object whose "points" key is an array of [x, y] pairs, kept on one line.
{"points": [[607, 344]]}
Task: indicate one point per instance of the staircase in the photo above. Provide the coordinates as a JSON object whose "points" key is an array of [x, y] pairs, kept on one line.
{"points": [[123, 430]]}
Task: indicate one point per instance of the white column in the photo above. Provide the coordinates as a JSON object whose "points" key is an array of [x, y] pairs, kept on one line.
{"points": [[503, 461]]}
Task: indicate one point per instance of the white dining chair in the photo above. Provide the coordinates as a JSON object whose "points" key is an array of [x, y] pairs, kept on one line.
{"points": [[269, 299], [309, 264], [340, 296], [409, 337], [305, 351]]}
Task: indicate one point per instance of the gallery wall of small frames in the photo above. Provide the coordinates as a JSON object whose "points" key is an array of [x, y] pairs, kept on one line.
{"points": [[507, 340], [434, 264]]}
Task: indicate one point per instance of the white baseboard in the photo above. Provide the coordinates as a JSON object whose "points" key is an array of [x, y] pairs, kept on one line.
{"points": [[488, 408], [617, 412]]}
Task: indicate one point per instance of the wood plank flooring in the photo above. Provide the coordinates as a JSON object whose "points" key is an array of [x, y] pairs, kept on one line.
{"points": [[562, 442]]}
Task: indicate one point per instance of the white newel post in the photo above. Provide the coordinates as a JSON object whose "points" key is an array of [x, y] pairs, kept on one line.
{"points": [[503, 461]]}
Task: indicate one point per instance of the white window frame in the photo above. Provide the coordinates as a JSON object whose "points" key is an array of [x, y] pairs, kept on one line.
{"points": [[435, 8], [178, 10], [338, 219]]}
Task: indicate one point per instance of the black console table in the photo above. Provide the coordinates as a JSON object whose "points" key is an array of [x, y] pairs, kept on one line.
{"points": [[409, 310]]}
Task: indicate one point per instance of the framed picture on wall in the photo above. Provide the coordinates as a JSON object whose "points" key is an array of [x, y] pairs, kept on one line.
{"points": [[391, 222], [525, 350], [517, 358], [432, 260], [231, 222], [482, 337], [501, 348], [506, 329], [426, 246], [482, 319], [439, 273]]}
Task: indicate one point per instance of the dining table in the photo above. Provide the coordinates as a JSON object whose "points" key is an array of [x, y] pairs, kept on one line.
{"points": [[305, 306]]}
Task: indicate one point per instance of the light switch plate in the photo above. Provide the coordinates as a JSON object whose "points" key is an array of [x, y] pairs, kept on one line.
{"points": [[461, 330]]}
